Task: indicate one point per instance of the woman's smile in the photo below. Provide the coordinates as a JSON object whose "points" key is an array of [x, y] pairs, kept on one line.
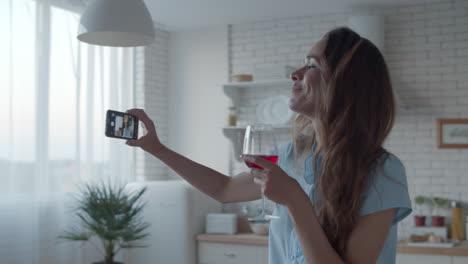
{"points": [[296, 88]]}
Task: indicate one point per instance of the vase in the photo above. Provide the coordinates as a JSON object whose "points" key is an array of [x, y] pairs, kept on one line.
{"points": [[103, 262], [437, 220], [419, 220]]}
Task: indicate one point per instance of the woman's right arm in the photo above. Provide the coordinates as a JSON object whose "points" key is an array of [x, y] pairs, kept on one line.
{"points": [[220, 187]]}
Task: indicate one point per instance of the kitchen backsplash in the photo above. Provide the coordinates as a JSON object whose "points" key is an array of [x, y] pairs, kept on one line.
{"points": [[426, 48]]}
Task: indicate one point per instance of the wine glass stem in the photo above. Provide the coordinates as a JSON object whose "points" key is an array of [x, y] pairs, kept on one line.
{"points": [[263, 204]]}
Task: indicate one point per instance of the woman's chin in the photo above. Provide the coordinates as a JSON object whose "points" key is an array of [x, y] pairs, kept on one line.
{"points": [[296, 107], [293, 105]]}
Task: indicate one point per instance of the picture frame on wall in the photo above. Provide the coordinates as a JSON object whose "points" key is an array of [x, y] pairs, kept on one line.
{"points": [[452, 133]]}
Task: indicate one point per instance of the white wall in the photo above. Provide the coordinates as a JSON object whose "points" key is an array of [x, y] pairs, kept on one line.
{"points": [[427, 53], [197, 104], [151, 94]]}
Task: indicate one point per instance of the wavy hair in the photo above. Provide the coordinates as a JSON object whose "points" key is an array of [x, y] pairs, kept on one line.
{"points": [[353, 114]]}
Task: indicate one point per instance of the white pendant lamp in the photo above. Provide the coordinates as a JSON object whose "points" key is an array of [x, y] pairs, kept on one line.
{"points": [[116, 23]]}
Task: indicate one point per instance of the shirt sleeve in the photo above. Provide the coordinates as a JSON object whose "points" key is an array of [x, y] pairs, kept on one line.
{"points": [[387, 189]]}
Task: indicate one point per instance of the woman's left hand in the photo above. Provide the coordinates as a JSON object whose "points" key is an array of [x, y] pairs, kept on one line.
{"points": [[276, 185]]}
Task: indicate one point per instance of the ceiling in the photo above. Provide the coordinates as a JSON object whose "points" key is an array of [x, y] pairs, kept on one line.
{"points": [[179, 15]]}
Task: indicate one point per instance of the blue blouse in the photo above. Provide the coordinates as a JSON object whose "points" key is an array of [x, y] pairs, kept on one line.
{"points": [[388, 189]]}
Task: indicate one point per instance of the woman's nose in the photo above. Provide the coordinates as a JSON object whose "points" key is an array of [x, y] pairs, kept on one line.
{"points": [[297, 75]]}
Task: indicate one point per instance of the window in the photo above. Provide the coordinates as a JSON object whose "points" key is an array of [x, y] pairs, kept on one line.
{"points": [[56, 91]]}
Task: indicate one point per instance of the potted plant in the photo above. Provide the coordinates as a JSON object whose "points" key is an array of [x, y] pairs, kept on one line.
{"points": [[419, 216], [110, 214], [437, 214]]}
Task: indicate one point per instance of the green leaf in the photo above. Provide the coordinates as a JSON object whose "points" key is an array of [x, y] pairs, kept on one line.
{"points": [[75, 236], [439, 202], [420, 199], [111, 213]]}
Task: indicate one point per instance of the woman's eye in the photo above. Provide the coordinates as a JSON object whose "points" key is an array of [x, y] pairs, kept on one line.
{"points": [[310, 63]]}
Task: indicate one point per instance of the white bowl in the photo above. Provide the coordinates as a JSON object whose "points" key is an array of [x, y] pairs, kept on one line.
{"points": [[260, 227]]}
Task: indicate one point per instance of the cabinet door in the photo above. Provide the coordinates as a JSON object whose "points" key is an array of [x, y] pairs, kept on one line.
{"points": [[222, 253], [262, 255], [422, 259], [459, 260]]}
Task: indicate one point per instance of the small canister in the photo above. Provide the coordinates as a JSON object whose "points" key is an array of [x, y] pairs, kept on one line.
{"points": [[457, 227], [466, 227], [232, 118]]}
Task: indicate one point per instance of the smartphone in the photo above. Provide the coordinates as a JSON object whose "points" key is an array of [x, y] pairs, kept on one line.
{"points": [[121, 125]]}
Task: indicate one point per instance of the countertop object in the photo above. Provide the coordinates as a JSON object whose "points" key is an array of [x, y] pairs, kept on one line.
{"points": [[260, 227], [241, 78], [217, 223]]}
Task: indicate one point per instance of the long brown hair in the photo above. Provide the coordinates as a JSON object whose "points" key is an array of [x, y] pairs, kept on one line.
{"points": [[352, 116]]}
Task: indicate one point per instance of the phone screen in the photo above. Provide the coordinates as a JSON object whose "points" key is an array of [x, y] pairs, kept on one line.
{"points": [[121, 125]]}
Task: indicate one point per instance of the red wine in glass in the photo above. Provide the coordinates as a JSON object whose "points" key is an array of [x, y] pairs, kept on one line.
{"points": [[272, 158]]}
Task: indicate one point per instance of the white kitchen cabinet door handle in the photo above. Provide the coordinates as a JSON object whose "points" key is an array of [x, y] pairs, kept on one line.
{"points": [[230, 255]]}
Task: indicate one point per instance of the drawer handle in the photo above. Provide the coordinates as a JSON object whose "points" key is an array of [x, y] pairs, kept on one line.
{"points": [[230, 255]]}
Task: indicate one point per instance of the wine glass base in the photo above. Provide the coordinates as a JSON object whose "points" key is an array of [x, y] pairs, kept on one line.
{"points": [[272, 217], [264, 217]]}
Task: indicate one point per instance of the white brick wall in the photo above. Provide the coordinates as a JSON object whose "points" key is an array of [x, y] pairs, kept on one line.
{"points": [[151, 82], [427, 53]]}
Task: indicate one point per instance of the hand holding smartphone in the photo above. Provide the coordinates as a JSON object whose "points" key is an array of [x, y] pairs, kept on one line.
{"points": [[121, 125]]}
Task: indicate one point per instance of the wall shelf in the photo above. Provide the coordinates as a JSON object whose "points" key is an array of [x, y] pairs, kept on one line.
{"points": [[233, 90], [256, 84]]}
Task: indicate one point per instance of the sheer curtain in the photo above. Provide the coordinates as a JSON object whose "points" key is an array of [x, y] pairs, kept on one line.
{"points": [[54, 94]]}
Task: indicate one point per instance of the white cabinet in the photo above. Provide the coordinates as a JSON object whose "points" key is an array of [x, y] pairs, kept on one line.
{"points": [[227, 253], [403, 258], [459, 260]]}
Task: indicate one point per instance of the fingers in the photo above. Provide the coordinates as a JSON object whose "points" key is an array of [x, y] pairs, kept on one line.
{"points": [[260, 176], [259, 172], [141, 114], [259, 182], [133, 143], [257, 160], [136, 111]]}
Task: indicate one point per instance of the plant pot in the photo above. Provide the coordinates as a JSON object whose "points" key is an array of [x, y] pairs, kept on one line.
{"points": [[438, 220], [420, 220], [103, 262]]}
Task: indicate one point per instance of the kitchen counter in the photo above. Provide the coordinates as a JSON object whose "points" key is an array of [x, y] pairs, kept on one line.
{"points": [[458, 250], [402, 247], [242, 238]]}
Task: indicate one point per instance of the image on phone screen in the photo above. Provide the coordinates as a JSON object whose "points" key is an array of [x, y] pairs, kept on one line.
{"points": [[121, 125]]}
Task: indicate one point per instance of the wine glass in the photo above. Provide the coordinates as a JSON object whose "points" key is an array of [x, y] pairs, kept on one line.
{"points": [[259, 140]]}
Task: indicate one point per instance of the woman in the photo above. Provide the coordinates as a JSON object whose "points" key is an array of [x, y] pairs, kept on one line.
{"points": [[127, 127], [338, 192]]}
